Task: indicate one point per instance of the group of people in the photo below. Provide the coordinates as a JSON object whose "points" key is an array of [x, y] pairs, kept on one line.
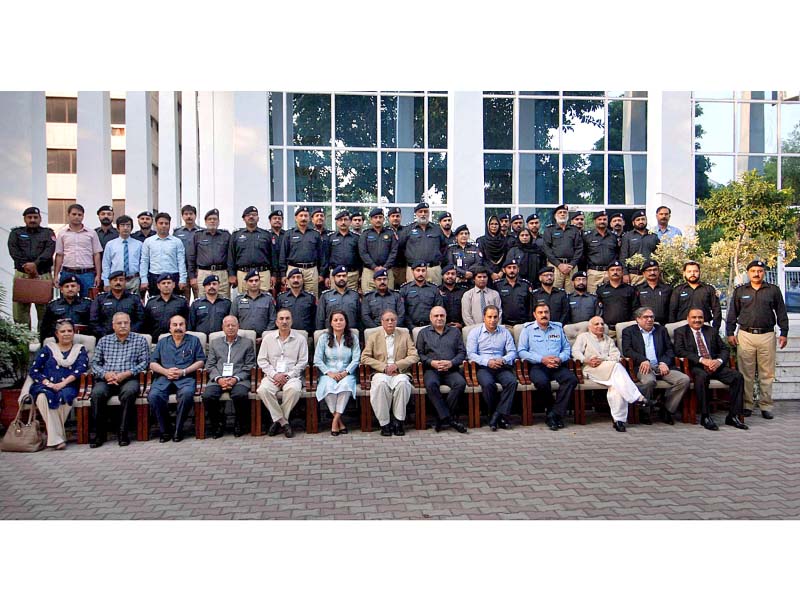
{"points": [[442, 276]]}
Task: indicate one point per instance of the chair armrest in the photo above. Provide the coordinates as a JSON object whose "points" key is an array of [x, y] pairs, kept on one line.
{"points": [[85, 385], [522, 375], [418, 375], [310, 383], [631, 367], [470, 373], [148, 384], [254, 379], [199, 378], [142, 383], [578, 369], [365, 376]]}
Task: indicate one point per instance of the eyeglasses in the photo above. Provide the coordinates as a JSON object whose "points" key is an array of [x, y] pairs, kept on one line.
{"points": [[62, 321]]}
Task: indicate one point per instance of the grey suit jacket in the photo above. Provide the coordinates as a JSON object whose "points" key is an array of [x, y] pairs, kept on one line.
{"points": [[243, 357]]}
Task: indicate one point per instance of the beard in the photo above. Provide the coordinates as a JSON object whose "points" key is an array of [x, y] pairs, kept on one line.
{"points": [[562, 221], [581, 287], [105, 222]]}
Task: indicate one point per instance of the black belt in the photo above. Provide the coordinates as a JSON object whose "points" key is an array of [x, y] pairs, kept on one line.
{"points": [[756, 330], [431, 264], [596, 268], [303, 265], [251, 267], [78, 271], [213, 267]]}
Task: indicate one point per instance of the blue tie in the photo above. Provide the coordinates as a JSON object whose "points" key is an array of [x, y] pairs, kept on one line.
{"points": [[125, 256]]}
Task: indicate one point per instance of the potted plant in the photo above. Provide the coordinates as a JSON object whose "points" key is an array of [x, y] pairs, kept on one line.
{"points": [[14, 357]]}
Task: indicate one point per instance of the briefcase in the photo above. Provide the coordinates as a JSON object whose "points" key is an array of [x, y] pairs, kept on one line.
{"points": [[32, 291]]}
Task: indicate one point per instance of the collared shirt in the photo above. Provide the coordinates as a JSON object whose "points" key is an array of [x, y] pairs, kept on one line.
{"points": [[206, 316], [427, 245], [343, 250], [483, 345], [463, 259], [582, 307], [556, 299], [170, 356], [600, 250], [667, 234], [655, 298], [448, 345], [114, 257], [116, 356], [292, 352], [616, 302], [515, 300], [139, 235], [78, 247], [106, 305], [106, 236], [560, 244], [185, 235], [163, 255], [684, 297], [374, 304], [331, 300], [158, 312], [389, 348], [695, 332], [303, 308], [251, 249], [256, 313], [649, 346], [378, 248], [535, 343], [208, 250], [298, 248], [419, 300], [634, 242], [78, 311], [451, 300], [36, 245], [757, 309], [472, 306]]}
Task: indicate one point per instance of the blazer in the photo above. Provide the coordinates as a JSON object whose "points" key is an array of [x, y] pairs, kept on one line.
{"points": [[405, 353], [633, 345], [243, 357], [685, 346]]}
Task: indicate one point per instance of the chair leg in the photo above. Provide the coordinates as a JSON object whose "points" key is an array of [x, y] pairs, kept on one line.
{"points": [[142, 422], [527, 408], [82, 419], [420, 417], [633, 414], [474, 410], [580, 408], [255, 417], [199, 421], [312, 415], [366, 415]]}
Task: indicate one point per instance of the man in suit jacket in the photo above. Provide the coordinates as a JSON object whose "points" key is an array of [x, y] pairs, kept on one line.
{"points": [[391, 353], [648, 345], [230, 359], [708, 356]]}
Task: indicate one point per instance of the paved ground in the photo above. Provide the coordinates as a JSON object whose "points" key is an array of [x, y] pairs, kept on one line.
{"points": [[650, 472]]}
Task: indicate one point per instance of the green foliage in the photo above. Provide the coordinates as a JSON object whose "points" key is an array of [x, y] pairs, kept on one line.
{"points": [[671, 255], [14, 340]]}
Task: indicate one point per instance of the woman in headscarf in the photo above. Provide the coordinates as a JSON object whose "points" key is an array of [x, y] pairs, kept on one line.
{"points": [[493, 246], [529, 257]]}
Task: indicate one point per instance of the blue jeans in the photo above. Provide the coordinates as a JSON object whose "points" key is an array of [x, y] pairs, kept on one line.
{"points": [[86, 281], [158, 398]]}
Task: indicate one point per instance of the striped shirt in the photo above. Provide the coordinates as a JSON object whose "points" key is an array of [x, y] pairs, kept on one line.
{"points": [[116, 356]]}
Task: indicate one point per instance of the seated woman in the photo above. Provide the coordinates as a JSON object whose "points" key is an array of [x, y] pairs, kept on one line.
{"points": [[336, 356], [600, 358], [56, 374]]}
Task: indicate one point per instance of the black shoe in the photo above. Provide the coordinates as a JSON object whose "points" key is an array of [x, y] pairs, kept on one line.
{"points": [[619, 426], [766, 414], [645, 418], [95, 442], [274, 429], [502, 423], [398, 428], [440, 424], [666, 417], [343, 431], [287, 431], [178, 437], [219, 431], [551, 423], [458, 426], [734, 421], [708, 423], [386, 430], [123, 439], [237, 430], [747, 412], [165, 437], [559, 422], [493, 421]]}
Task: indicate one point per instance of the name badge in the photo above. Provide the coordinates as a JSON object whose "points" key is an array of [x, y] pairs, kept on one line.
{"points": [[227, 369], [460, 262], [282, 367]]}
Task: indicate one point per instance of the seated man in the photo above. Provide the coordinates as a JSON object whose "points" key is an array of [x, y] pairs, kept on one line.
{"points": [[117, 299], [492, 347], [708, 357], [174, 362], [441, 350], [116, 364], [650, 348], [230, 359], [544, 345], [69, 306], [283, 357], [391, 353]]}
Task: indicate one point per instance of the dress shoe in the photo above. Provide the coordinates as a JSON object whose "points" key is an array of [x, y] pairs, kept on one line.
{"points": [[440, 424], [386, 430], [551, 423], [458, 426], [766, 414], [237, 430], [559, 422], [165, 437], [123, 439], [343, 430], [398, 428], [274, 429], [502, 423], [708, 423], [493, 421], [747, 412], [666, 417], [619, 426], [95, 442], [645, 418], [287, 430], [734, 421], [334, 433], [178, 437], [219, 431]]}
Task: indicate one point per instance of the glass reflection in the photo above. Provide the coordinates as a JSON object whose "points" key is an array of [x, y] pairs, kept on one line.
{"points": [[497, 178], [402, 176], [437, 122], [310, 177], [790, 176], [627, 126], [762, 164], [627, 179], [437, 173], [538, 124], [757, 127], [583, 178], [713, 95], [790, 128], [596, 93], [402, 121], [758, 95], [276, 118], [276, 174], [714, 126], [538, 179], [310, 121], [356, 121], [583, 125], [711, 172], [498, 123], [538, 93], [289, 220], [356, 176]]}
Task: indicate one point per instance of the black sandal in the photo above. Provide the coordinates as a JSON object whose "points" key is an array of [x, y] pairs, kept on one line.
{"points": [[344, 431]]}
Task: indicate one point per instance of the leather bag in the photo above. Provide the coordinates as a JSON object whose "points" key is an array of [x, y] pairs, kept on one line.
{"points": [[32, 291], [22, 436]]}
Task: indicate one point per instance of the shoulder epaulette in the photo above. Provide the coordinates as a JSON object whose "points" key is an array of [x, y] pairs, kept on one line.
{"points": [[406, 283]]}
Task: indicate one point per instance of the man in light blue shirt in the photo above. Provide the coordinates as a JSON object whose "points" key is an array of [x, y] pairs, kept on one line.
{"points": [[492, 348], [544, 345], [162, 253], [665, 231], [123, 254]]}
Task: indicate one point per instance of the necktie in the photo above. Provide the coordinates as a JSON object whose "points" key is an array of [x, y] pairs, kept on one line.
{"points": [[125, 256], [702, 345], [483, 300]]}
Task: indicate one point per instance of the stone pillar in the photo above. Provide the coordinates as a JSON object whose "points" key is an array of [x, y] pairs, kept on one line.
{"points": [[190, 167], [169, 197], [94, 153], [251, 179], [215, 140], [465, 160], [138, 155]]}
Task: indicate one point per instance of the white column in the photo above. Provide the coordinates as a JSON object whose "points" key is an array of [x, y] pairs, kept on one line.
{"points": [[465, 160], [23, 170], [215, 118], [670, 167], [190, 168], [138, 155], [169, 199], [94, 153], [251, 154]]}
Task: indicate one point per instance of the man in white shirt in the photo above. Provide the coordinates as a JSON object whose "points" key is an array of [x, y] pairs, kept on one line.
{"points": [[475, 300]]}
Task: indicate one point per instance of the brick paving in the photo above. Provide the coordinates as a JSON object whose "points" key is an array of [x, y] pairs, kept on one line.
{"points": [[582, 472]]}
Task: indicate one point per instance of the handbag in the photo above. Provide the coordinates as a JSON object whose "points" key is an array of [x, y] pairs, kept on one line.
{"points": [[32, 291], [22, 436]]}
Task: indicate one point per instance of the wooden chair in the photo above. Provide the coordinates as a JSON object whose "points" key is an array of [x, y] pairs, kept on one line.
{"points": [[525, 385]]}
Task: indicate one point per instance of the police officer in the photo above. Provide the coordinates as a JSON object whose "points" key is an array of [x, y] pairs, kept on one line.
{"points": [[380, 299], [446, 225], [106, 232], [186, 234], [578, 219], [394, 215], [117, 299], [555, 298], [339, 297], [357, 222], [318, 222], [423, 242], [616, 298], [207, 254], [452, 292], [419, 297], [616, 222], [342, 249], [69, 306], [515, 295], [377, 247], [299, 302], [145, 219], [302, 249], [563, 246], [162, 307], [276, 231], [251, 249], [694, 294], [464, 255], [31, 248], [254, 309], [517, 223], [653, 293], [638, 241], [756, 307], [582, 305], [206, 313], [601, 248], [505, 221], [534, 224]]}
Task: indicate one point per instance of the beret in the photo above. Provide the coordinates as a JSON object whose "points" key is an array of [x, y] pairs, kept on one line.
{"points": [[163, 277], [115, 274], [602, 213], [649, 264], [380, 273], [68, 279], [532, 217], [248, 210], [614, 263], [339, 269], [461, 228], [357, 213], [561, 207], [294, 272], [342, 214], [421, 206], [445, 215], [756, 263], [447, 268], [275, 213], [145, 213], [637, 214], [252, 273], [517, 218], [510, 261], [615, 215], [394, 211], [577, 213], [504, 216], [578, 274], [547, 270], [375, 212], [317, 211], [210, 279], [31, 210], [212, 213], [104, 207], [300, 209], [418, 263]]}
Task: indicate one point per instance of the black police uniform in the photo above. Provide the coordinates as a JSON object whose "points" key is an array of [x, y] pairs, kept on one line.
{"points": [[600, 250], [138, 235], [304, 250], [77, 311], [158, 312], [401, 260], [423, 245], [303, 308], [255, 313], [557, 301], [757, 310], [419, 300], [206, 316], [208, 252], [106, 236], [251, 250], [463, 259], [616, 302], [331, 300], [343, 250], [106, 305], [656, 299], [36, 245], [704, 296], [374, 304], [515, 300], [378, 248], [186, 235], [451, 300], [634, 242], [582, 307], [563, 245]]}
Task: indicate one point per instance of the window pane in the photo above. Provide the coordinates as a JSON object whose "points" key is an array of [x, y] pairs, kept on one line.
{"points": [[538, 124], [583, 178], [499, 93], [626, 94], [765, 165], [712, 172], [276, 118], [276, 175], [790, 128], [437, 173], [402, 122], [627, 179], [118, 206], [598, 93], [118, 112], [757, 127], [538, 179], [57, 210], [761, 95], [714, 126], [118, 162], [61, 110], [498, 123], [402, 177], [497, 178], [357, 176], [538, 93], [790, 176], [583, 125], [62, 161], [713, 95], [627, 126], [309, 124], [311, 173], [437, 122], [356, 121]]}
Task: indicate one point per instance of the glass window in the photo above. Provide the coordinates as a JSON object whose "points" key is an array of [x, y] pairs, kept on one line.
{"points": [[402, 122], [356, 177], [498, 174], [498, 123], [538, 178], [276, 174], [62, 161], [309, 123], [583, 125], [437, 173], [756, 127], [61, 110], [402, 176], [117, 111], [714, 126], [790, 176], [713, 95], [716, 171], [437, 122], [627, 179], [627, 126], [118, 162], [583, 178], [356, 121], [289, 220], [765, 165], [538, 93], [276, 118], [583, 93], [57, 210], [790, 128], [753, 95], [538, 124], [311, 174], [118, 204]]}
